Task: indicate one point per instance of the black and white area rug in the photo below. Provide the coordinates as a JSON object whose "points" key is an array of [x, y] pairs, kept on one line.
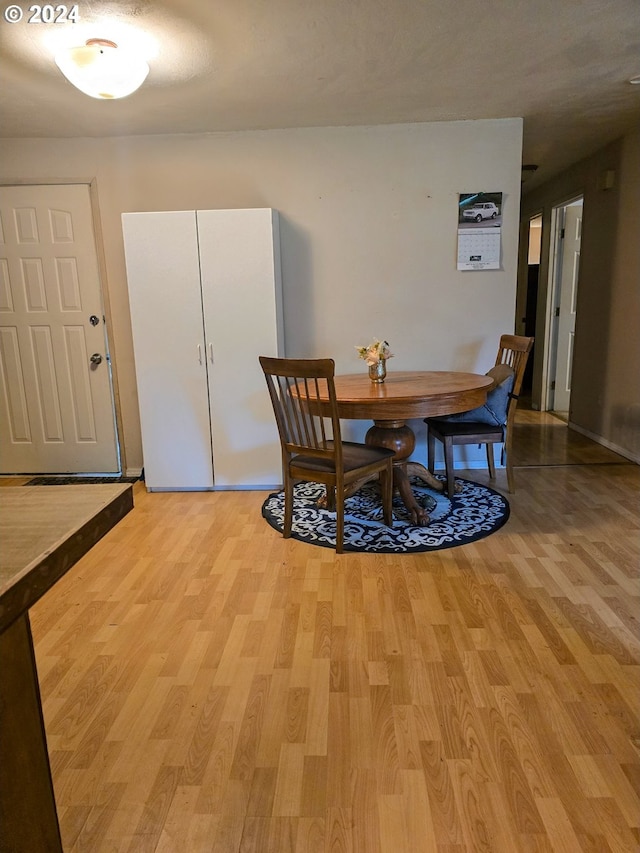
{"points": [[473, 513]]}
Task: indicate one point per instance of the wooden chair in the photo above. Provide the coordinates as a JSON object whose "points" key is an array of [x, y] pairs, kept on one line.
{"points": [[514, 352], [312, 449]]}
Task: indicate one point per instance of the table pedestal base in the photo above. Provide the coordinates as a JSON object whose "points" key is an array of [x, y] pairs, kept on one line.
{"points": [[400, 438]]}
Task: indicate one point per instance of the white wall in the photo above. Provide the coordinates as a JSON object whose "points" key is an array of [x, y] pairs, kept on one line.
{"points": [[368, 231]]}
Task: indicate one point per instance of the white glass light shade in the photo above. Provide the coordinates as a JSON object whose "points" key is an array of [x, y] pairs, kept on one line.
{"points": [[101, 69]]}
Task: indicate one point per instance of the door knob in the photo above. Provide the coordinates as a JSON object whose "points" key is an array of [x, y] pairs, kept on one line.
{"points": [[96, 358], [94, 320]]}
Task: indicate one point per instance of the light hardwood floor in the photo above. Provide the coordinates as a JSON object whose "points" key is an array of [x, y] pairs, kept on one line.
{"points": [[208, 686]]}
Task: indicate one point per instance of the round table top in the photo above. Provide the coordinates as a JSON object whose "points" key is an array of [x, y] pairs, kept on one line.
{"points": [[410, 394]]}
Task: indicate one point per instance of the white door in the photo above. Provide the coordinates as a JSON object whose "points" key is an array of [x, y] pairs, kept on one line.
{"points": [[56, 403], [566, 300], [163, 272], [241, 296]]}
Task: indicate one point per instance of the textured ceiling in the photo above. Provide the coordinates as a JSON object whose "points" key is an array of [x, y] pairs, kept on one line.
{"points": [[227, 65]]}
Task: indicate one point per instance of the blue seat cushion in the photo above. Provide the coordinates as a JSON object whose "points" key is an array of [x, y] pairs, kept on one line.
{"points": [[494, 411]]}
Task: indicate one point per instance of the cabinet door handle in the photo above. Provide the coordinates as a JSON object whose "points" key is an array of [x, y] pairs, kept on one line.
{"points": [[199, 354], [211, 353]]}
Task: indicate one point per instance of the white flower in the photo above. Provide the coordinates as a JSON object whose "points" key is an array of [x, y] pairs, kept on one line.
{"points": [[375, 352]]}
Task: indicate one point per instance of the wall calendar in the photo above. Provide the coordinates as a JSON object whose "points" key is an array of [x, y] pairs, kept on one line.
{"points": [[479, 231]]}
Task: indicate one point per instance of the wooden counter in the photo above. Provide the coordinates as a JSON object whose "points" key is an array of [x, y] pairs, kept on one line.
{"points": [[44, 530]]}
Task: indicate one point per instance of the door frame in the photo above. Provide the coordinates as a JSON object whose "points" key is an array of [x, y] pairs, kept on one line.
{"points": [[104, 290], [554, 283]]}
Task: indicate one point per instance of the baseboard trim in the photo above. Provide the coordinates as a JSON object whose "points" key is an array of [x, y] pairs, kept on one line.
{"points": [[615, 448]]}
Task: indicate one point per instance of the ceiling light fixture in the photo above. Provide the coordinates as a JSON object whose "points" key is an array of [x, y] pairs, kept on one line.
{"points": [[101, 69]]}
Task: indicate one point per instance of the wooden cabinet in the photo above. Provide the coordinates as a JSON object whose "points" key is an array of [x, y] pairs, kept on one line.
{"points": [[205, 299]]}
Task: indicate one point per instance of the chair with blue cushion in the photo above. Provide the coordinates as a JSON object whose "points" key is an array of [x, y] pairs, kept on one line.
{"points": [[491, 423]]}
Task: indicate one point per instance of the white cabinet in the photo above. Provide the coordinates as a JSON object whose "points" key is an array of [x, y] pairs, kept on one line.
{"points": [[205, 298]]}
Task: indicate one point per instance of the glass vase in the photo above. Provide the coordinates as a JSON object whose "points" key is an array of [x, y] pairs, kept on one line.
{"points": [[378, 371]]}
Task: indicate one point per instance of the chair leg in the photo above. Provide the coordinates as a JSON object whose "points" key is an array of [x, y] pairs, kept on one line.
{"points": [[448, 464], [431, 450], [331, 498], [288, 506], [511, 480], [386, 485], [339, 519], [491, 462]]}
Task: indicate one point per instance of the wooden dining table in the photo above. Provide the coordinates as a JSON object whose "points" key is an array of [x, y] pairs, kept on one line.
{"points": [[402, 396], [44, 531]]}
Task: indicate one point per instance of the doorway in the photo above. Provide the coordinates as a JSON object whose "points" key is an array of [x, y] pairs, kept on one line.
{"points": [[56, 393], [566, 231]]}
